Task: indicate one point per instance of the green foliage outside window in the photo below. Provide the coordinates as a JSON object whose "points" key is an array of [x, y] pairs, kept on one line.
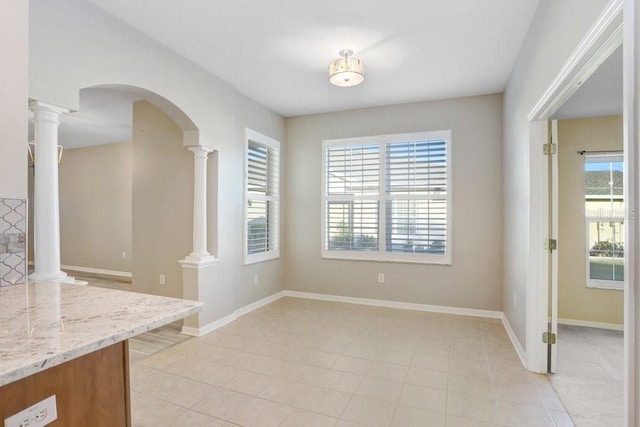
{"points": [[345, 239], [608, 249]]}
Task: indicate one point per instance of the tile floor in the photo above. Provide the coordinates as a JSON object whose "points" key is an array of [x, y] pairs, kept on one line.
{"points": [[306, 363], [590, 378]]}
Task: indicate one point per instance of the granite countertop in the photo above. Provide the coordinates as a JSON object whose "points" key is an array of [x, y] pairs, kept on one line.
{"points": [[44, 324]]}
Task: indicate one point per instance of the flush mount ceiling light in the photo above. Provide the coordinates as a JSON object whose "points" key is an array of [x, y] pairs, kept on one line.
{"points": [[346, 71]]}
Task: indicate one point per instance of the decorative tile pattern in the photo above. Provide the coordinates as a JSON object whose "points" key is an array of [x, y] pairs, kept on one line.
{"points": [[13, 241]]}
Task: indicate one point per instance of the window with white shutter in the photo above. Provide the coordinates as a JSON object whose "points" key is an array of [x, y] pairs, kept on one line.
{"points": [[388, 198], [262, 170]]}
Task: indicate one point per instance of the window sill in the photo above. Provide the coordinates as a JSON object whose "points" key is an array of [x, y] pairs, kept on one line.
{"points": [[419, 259], [608, 285]]}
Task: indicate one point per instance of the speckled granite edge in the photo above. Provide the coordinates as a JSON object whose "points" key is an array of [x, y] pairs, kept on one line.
{"points": [[118, 315]]}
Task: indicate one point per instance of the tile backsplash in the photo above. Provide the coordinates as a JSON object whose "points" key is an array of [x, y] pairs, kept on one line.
{"points": [[13, 241]]}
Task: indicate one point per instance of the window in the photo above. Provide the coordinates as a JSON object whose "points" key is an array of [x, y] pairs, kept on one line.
{"points": [[388, 198], [262, 172], [604, 214]]}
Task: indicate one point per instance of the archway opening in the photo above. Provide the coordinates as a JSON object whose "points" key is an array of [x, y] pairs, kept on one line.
{"points": [[126, 189]]}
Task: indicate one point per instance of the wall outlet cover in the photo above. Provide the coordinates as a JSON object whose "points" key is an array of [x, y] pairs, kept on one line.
{"points": [[37, 415]]}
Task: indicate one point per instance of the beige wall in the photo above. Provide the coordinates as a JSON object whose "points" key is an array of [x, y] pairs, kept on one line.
{"points": [[162, 201], [270, 273], [14, 32], [575, 300], [95, 207], [556, 30], [475, 278], [74, 45]]}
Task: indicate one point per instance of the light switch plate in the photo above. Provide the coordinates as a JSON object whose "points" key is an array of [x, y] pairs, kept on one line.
{"points": [[37, 415]]}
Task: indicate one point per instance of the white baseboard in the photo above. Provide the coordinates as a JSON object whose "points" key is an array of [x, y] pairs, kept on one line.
{"points": [[260, 303], [397, 304], [210, 327], [514, 340], [115, 273], [588, 324]]}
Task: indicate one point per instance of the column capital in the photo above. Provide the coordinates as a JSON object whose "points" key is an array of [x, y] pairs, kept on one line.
{"points": [[45, 106], [200, 152], [44, 112]]}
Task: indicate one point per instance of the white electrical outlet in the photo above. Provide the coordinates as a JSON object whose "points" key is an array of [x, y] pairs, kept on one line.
{"points": [[37, 415], [124, 255], [380, 278], [515, 300], [162, 279], [256, 279]]}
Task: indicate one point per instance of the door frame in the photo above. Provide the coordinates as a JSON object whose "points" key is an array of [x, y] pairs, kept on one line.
{"points": [[553, 255], [605, 35]]}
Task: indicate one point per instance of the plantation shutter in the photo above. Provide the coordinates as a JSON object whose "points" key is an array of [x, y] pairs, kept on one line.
{"points": [[388, 198], [416, 189], [262, 197], [353, 187]]}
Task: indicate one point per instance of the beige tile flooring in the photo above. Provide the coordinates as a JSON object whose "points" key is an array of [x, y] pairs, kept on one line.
{"points": [[305, 363]]}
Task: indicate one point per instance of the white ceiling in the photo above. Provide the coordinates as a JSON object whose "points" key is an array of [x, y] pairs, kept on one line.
{"points": [[277, 53], [600, 95]]}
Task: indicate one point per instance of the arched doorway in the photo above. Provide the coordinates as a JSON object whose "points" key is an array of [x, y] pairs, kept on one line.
{"points": [[126, 188]]}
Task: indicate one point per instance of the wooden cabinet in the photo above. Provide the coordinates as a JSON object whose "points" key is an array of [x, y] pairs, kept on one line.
{"points": [[91, 390]]}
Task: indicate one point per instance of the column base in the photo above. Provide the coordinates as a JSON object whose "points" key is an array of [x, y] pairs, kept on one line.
{"points": [[52, 277], [197, 261], [72, 281]]}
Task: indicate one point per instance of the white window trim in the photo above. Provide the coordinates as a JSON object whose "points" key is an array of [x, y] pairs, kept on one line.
{"points": [[251, 135], [382, 255]]}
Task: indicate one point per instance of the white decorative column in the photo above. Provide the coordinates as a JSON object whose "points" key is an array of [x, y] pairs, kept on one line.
{"points": [[46, 227], [197, 270], [199, 255]]}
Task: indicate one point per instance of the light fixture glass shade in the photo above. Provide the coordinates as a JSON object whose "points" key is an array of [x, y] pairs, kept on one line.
{"points": [[346, 71]]}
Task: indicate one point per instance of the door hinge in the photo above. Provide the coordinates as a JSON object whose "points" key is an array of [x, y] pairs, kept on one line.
{"points": [[549, 149], [549, 338], [550, 245]]}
